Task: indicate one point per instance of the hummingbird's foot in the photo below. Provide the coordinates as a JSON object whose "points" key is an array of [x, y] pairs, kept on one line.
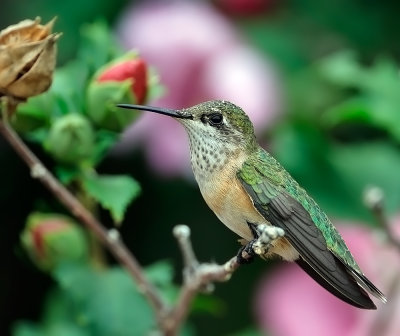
{"points": [[266, 235], [246, 253]]}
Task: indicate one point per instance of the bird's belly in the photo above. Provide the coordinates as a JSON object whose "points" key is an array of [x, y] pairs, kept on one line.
{"points": [[233, 207]]}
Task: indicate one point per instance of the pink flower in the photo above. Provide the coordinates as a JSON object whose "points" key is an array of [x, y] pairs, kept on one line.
{"points": [[289, 302], [199, 56]]}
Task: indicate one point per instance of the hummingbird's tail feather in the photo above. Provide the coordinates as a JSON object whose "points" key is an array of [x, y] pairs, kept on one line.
{"points": [[365, 283], [347, 289]]}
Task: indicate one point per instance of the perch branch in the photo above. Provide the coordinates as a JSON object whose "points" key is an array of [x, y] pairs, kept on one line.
{"points": [[197, 277], [374, 200], [110, 239]]}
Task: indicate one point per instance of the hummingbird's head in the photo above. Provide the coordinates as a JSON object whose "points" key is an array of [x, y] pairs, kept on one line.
{"points": [[218, 121], [219, 132]]}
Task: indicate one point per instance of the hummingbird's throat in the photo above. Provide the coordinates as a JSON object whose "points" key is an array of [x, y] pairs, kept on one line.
{"points": [[209, 155]]}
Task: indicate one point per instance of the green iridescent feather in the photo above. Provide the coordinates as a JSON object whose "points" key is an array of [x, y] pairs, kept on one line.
{"points": [[268, 179]]}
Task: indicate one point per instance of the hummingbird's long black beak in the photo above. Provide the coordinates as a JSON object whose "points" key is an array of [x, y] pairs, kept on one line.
{"points": [[160, 110]]}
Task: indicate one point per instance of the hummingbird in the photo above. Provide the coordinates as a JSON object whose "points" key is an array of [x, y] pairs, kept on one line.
{"points": [[254, 196]]}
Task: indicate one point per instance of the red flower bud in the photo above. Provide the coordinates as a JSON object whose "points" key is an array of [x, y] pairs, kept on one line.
{"points": [[136, 70], [39, 232]]}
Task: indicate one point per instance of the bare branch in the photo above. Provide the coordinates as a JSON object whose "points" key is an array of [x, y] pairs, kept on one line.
{"points": [[197, 277], [110, 239], [182, 234], [374, 200]]}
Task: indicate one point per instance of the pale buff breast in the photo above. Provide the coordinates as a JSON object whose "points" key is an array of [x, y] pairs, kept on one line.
{"points": [[225, 195]]}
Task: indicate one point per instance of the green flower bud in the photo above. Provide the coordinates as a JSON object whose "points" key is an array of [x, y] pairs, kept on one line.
{"points": [[102, 99], [51, 239], [71, 139]]}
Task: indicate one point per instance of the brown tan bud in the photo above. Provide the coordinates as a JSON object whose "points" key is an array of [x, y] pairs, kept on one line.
{"points": [[27, 58]]}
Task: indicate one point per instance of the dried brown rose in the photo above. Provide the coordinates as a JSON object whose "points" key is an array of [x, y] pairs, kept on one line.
{"points": [[27, 58]]}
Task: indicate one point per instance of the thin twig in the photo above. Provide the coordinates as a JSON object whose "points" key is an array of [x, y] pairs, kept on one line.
{"points": [[110, 239], [182, 234], [374, 200], [196, 277]]}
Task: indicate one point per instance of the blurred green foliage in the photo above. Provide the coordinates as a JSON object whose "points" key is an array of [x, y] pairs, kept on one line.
{"points": [[62, 121], [71, 16], [340, 133], [93, 302]]}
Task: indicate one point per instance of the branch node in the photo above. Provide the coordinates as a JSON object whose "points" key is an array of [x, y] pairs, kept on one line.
{"points": [[181, 232], [374, 200], [38, 171], [373, 197], [113, 236], [207, 288]]}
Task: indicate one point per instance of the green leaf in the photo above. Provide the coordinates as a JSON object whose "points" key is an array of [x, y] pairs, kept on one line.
{"points": [[376, 101], [381, 78], [106, 302], [69, 86], [58, 308], [104, 141], [34, 113], [342, 69], [349, 111], [66, 174], [38, 135], [378, 112], [114, 193]]}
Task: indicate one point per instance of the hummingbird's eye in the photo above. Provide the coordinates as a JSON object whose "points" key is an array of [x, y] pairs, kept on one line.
{"points": [[215, 119]]}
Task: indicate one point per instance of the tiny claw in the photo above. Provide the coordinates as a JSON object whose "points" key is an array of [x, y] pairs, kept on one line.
{"points": [[246, 254]]}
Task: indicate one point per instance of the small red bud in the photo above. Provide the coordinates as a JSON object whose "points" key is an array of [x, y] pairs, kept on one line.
{"points": [[47, 227], [136, 70], [51, 239]]}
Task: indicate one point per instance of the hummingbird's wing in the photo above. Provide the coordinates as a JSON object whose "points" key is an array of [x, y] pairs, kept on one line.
{"points": [[265, 182]]}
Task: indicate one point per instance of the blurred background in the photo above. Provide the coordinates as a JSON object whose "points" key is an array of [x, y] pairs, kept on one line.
{"points": [[320, 81]]}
